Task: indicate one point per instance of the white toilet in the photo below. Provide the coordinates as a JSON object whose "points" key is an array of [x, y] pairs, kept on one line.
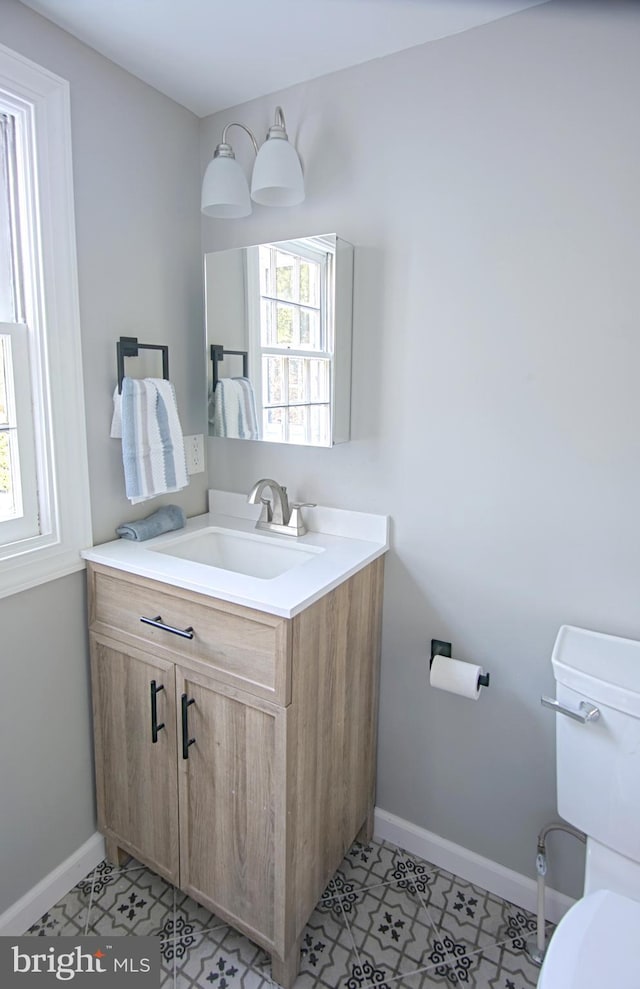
{"points": [[597, 943]]}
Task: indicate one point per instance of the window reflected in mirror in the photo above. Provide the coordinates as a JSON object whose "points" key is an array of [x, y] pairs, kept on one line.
{"points": [[279, 339]]}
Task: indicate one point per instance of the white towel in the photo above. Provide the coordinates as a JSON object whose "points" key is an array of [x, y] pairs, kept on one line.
{"points": [[116, 421], [232, 410], [152, 444]]}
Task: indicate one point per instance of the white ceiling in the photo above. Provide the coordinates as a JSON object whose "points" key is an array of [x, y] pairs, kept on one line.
{"points": [[213, 54]]}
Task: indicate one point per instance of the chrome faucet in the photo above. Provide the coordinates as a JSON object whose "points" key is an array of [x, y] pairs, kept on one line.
{"points": [[278, 515]]}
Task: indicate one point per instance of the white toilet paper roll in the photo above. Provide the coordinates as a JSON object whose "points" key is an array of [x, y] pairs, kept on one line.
{"points": [[455, 676]]}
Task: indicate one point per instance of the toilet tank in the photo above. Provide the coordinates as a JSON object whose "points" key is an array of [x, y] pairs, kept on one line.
{"points": [[598, 763]]}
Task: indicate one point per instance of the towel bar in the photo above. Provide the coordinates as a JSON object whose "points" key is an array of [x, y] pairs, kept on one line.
{"points": [[218, 353], [129, 347]]}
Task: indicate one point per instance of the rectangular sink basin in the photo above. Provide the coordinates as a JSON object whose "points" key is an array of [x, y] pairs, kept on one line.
{"points": [[241, 552]]}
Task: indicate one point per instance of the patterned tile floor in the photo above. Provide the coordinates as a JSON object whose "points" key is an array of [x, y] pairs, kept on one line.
{"points": [[387, 919]]}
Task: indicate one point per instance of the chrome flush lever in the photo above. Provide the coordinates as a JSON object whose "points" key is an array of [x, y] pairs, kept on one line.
{"points": [[585, 714]]}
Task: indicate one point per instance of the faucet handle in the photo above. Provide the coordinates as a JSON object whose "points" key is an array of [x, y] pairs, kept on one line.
{"points": [[266, 515], [295, 519]]}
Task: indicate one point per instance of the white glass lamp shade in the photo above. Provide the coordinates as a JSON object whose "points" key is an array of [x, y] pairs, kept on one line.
{"points": [[225, 191], [277, 174]]}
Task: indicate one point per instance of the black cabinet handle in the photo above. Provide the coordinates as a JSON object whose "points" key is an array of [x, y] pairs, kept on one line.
{"points": [[155, 727], [186, 633], [186, 741]]}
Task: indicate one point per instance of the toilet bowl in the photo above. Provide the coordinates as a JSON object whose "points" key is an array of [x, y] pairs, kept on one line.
{"points": [[595, 946], [597, 943]]}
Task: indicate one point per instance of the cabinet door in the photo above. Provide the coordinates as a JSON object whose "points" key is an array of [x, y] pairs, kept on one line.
{"points": [[227, 809], [136, 778]]}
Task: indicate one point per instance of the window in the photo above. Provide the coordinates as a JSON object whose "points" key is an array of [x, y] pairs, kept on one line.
{"points": [[292, 339], [44, 494], [19, 510]]}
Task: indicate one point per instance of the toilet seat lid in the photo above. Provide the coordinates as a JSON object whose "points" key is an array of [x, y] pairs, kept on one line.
{"points": [[596, 944]]}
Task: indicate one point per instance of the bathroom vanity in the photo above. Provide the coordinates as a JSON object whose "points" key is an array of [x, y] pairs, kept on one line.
{"points": [[235, 737]]}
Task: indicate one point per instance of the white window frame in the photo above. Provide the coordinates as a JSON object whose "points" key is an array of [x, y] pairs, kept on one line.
{"points": [[256, 348], [39, 100]]}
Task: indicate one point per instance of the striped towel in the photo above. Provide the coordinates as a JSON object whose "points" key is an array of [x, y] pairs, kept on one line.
{"points": [[116, 421], [232, 410], [152, 444]]}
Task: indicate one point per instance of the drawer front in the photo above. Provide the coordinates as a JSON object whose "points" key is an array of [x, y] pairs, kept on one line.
{"points": [[238, 645]]}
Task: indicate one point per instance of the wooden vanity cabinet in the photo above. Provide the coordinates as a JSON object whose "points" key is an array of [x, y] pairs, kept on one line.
{"points": [[238, 763]]}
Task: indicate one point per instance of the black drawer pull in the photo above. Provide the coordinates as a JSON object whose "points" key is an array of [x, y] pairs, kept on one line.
{"points": [[186, 741], [186, 633], [155, 727]]}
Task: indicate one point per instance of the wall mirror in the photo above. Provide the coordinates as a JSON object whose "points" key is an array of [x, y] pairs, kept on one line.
{"points": [[278, 320]]}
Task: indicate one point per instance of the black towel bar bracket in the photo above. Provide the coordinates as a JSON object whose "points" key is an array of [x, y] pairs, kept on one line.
{"points": [[129, 347], [218, 353]]}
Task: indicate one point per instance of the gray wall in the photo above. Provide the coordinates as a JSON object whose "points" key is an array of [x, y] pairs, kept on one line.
{"points": [[136, 176], [490, 184]]}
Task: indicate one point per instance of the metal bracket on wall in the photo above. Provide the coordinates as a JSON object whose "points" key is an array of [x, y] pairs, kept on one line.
{"points": [[439, 648], [129, 347], [218, 353]]}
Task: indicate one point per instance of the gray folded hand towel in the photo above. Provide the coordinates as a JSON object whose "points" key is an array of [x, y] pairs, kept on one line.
{"points": [[164, 520]]}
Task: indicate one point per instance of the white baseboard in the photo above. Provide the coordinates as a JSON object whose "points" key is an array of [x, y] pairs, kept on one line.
{"points": [[444, 854], [30, 907]]}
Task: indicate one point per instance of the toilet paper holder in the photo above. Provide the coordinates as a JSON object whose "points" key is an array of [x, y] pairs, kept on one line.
{"points": [[440, 648]]}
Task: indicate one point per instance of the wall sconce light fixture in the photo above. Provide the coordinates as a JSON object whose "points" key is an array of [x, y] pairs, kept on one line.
{"points": [[277, 175]]}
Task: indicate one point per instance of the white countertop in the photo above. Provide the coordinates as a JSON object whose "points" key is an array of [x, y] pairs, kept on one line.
{"points": [[284, 595]]}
